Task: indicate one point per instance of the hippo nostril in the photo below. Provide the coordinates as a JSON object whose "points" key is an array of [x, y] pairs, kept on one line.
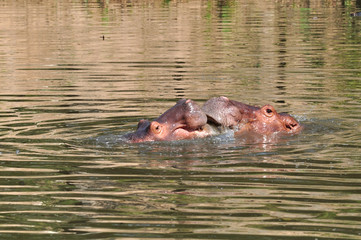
{"points": [[291, 126]]}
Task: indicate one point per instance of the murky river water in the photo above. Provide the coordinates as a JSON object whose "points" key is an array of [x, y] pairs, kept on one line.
{"points": [[76, 75]]}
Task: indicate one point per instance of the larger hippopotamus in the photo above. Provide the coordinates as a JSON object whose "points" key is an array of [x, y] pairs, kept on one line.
{"points": [[245, 118], [185, 120]]}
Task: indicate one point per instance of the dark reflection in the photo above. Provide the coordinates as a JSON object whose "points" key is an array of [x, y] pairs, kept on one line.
{"points": [[224, 9], [179, 72], [355, 14], [347, 3]]}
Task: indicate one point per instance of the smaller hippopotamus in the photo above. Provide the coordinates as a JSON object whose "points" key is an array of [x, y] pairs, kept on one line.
{"points": [[245, 118], [185, 120]]}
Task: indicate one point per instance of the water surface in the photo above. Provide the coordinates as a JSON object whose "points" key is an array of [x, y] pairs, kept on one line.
{"points": [[76, 75]]}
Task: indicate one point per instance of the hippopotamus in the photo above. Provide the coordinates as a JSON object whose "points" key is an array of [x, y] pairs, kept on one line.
{"points": [[185, 120], [245, 118]]}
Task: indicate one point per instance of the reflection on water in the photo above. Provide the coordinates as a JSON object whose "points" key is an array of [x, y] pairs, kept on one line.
{"points": [[77, 75]]}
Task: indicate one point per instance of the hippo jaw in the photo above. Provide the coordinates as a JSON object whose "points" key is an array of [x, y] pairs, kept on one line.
{"points": [[186, 133], [155, 131]]}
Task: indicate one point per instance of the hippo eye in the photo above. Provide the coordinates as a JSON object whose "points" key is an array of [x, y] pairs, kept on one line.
{"points": [[268, 111], [155, 127]]}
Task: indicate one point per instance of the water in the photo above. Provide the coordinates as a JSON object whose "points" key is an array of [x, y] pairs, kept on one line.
{"points": [[76, 75]]}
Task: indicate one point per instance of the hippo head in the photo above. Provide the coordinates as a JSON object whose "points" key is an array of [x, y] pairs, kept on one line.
{"points": [[223, 112], [242, 117], [185, 120], [266, 120]]}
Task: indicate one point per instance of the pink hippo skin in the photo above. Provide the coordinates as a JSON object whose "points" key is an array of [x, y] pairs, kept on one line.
{"points": [[185, 120], [245, 118]]}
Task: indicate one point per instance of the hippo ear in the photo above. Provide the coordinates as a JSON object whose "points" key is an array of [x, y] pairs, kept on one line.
{"points": [[268, 111], [156, 127], [143, 124]]}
